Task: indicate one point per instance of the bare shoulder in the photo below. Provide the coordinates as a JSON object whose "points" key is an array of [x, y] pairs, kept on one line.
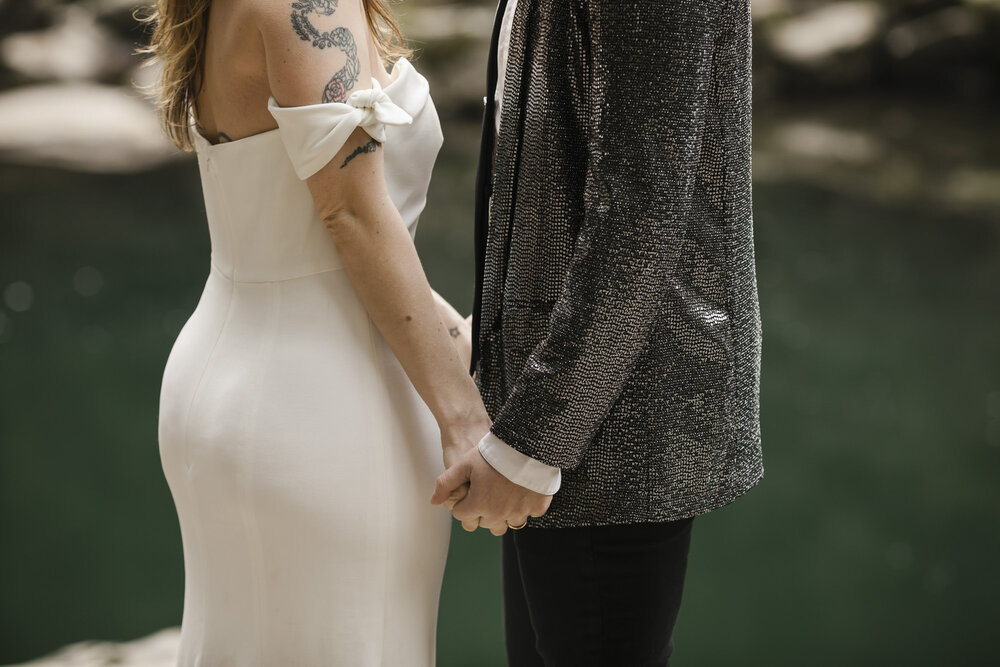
{"points": [[316, 50], [307, 19]]}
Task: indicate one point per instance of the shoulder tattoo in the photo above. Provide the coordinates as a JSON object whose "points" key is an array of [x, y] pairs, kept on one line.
{"points": [[343, 80]]}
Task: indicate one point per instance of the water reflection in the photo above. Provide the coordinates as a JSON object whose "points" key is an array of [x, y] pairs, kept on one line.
{"points": [[19, 296], [88, 281]]}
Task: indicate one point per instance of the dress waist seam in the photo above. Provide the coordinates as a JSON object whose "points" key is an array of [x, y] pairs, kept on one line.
{"points": [[218, 269]]}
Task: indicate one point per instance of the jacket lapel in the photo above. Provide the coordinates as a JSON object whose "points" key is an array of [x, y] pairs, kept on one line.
{"points": [[484, 178], [505, 170]]}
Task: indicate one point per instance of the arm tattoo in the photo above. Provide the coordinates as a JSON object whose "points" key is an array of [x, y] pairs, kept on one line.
{"points": [[454, 332], [223, 137], [344, 79], [369, 147]]}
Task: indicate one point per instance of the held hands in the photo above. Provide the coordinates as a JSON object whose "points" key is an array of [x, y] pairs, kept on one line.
{"points": [[470, 487], [479, 496]]}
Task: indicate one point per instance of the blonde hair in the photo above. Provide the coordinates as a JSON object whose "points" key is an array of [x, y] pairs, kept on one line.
{"points": [[178, 45]]}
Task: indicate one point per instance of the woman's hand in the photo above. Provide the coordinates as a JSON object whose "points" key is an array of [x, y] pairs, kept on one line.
{"points": [[455, 442]]}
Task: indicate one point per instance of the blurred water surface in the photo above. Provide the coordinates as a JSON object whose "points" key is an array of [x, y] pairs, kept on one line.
{"points": [[872, 539]]}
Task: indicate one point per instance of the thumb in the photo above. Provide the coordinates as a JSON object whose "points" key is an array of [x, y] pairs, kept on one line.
{"points": [[449, 481]]}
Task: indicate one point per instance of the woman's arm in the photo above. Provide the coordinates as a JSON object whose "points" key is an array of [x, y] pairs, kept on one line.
{"points": [[459, 328], [370, 236]]}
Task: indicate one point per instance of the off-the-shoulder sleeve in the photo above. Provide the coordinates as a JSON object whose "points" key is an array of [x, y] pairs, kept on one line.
{"points": [[314, 133]]}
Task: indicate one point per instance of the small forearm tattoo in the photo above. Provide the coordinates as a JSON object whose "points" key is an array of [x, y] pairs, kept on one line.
{"points": [[223, 137], [343, 80], [369, 147], [455, 333]]}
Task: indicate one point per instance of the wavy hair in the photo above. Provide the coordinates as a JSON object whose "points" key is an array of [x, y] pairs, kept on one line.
{"points": [[178, 45]]}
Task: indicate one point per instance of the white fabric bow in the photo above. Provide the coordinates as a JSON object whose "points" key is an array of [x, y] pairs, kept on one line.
{"points": [[313, 134], [379, 110]]}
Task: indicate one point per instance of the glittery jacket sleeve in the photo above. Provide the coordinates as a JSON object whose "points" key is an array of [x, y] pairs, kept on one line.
{"points": [[647, 72]]}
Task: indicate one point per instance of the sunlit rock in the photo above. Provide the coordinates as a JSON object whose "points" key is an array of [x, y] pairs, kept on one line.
{"points": [[815, 36], [156, 650], [118, 15], [953, 22], [76, 48], [763, 9], [820, 141], [974, 186], [81, 126]]}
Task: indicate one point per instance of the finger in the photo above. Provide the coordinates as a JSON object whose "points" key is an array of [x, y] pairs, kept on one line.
{"points": [[456, 496], [541, 507], [470, 525], [449, 481], [497, 527], [466, 511]]}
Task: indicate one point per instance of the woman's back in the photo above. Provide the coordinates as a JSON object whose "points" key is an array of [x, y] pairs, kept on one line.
{"points": [[232, 102]]}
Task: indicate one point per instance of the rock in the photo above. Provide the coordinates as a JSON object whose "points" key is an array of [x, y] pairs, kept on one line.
{"points": [[950, 49], [920, 33], [815, 36], [904, 154], [812, 140], [156, 650], [75, 48], [809, 48], [82, 126], [118, 16], [17, 15], [765, 9]]}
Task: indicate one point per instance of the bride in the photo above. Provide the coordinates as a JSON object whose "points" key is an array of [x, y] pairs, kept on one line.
{"points": [[309, 400]]}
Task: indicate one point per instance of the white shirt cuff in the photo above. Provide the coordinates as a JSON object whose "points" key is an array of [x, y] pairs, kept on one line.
{"points": [[520, 468]]}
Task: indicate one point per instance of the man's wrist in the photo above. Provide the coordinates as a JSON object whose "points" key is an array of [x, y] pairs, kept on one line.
{"points": [[520, 468]]}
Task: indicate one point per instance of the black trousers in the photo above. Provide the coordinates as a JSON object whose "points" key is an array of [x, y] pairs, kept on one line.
{"points": [[593, 596]]}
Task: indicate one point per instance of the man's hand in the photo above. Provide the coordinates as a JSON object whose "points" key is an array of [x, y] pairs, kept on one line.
{"points": [[489, 499]]}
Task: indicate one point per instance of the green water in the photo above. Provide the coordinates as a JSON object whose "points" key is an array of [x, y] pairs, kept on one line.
{"points": [[872, 540]]}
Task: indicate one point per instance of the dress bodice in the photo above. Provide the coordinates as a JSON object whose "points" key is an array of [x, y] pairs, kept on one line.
{"points": [[262, 220]]}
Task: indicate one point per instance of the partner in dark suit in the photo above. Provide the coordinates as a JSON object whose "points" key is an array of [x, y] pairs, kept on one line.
{"points": [[616, 327]]}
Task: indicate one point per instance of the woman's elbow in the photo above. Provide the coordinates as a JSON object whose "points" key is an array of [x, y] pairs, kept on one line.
{"points": [[342, 223]]}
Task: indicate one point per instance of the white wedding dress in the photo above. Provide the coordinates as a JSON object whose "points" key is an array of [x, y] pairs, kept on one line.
{"points": [[299, 456]]}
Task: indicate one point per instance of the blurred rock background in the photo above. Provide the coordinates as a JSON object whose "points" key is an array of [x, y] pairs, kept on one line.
{"points": [[872, 539]]}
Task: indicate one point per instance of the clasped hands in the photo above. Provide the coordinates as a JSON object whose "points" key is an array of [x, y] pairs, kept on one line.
{"points": [[480, 497]]}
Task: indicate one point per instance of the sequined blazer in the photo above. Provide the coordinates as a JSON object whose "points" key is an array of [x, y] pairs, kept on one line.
{"points": [[616, 328]]}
